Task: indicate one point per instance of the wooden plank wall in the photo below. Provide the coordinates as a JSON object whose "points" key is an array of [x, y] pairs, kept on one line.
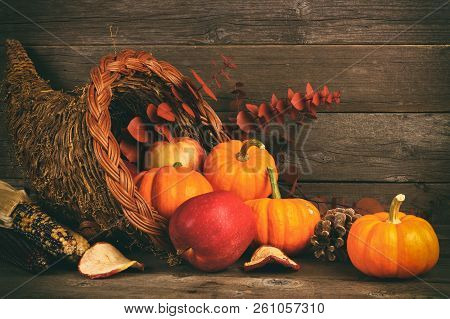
{"points": [[389, 58]]}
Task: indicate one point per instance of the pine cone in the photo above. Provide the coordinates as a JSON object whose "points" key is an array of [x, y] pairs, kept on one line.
{"points": [[330, 234]]}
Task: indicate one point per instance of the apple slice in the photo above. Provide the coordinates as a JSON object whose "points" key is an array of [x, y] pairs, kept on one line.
{"points": [[104, 260], [269, 255]]}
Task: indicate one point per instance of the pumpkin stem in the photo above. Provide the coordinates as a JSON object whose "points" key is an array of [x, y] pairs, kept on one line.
{"points": [[395, 207], [177, 164], [275, 190], [242, 155]]}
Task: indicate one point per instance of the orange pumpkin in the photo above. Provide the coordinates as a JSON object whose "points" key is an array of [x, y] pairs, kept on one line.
{"points": [[392, 244], [238, 167], [287, 224], [168, 187], [185, 150]]}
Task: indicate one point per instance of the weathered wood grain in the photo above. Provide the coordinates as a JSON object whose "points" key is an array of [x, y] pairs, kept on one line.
{"points": [[377, 147], [345, 162], [358, 147], [225, 22], [431, 200], [372, 79], [314, 280]]}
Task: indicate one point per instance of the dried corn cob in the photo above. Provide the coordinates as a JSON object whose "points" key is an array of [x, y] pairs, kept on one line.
{"points": [[23, 253], [47, 234]]}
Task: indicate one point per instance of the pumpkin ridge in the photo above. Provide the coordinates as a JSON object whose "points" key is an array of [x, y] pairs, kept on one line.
{"points": [[427, 240], [273, 227], [404, 269], [263, 205], [400, 245], [300, 218], [377, 256], [236, 177], [228, 168], [366, 261], [283, 220]]}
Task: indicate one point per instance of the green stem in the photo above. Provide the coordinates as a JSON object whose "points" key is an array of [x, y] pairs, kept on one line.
{"points": [[177, 164], [273, 183], [242, 155], [394, 209]]}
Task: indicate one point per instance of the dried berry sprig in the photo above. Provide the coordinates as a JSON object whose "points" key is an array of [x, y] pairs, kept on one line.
{"points": [[295, 107], [221, 71]]}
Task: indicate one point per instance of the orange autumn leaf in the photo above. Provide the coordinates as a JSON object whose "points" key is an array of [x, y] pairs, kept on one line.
{"points": [[316, 99], [193, 90], [330, 98], [138, 130], [309, 91], [151, 113], [280, 106], [273, 100], [175, 93], [245, 121], [265, 112], [129, 150], [188, 109], [337, 97], [209, 92], [165, 111], [226, 75], [325, 91], [290, 94], [228, 62], [198, 77], [252, 108], [218, 84], [205, 87], [164, 131], [297, 101]]}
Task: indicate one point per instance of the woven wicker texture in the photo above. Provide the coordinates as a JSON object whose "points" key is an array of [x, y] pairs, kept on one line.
{"points": [[66, 142]]}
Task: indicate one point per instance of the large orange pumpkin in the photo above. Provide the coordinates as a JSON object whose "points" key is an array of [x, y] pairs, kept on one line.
{"points": [[240, 167], [392, 244], [287, 224], [168, 187], [185, 150]]}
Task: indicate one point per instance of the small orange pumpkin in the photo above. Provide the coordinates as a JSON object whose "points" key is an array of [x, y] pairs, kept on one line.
{"points": [[238, 167], [185, 150], [287, 224], [393, 244], [168, 187]]}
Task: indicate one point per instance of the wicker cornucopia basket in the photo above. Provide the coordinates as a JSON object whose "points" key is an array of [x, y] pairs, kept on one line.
{"points": [[67, 145]]}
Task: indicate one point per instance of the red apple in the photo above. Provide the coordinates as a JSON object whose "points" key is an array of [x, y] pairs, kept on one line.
{"points": [[212, 230]]}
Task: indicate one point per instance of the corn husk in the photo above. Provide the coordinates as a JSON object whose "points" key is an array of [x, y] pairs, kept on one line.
{"points": [[9, 199]]}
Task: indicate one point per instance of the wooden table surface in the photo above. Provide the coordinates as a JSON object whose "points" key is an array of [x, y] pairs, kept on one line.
{"points": [[315, 279]]}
